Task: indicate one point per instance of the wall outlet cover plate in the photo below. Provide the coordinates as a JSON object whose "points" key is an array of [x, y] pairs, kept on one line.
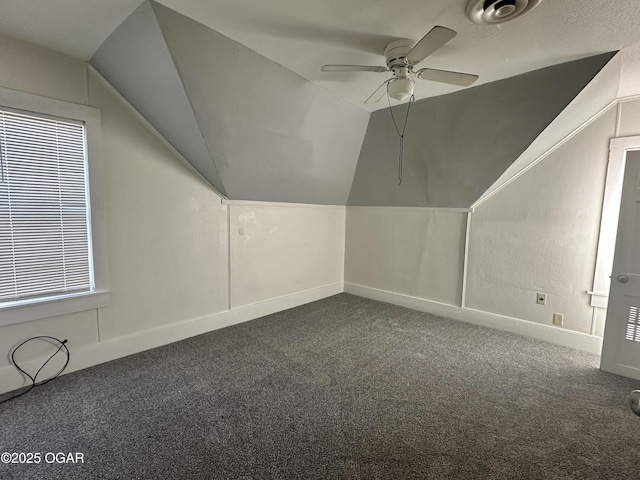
{"points": [[541, 298], [558, 319]]}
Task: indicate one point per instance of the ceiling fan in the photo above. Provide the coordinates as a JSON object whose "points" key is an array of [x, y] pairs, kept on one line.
{"points": [[401, 56]]}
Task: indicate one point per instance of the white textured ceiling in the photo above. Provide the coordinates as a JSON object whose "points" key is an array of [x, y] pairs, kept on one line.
{"points": [[302, 35], [73, 27]]}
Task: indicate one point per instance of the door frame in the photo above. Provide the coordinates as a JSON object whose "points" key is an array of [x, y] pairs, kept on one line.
{"points": [[616, 168]]}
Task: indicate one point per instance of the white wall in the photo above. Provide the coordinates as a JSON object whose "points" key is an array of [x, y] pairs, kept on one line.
{"points": [[540, 234], [277, 248], [168, 237], [170, 248], [629, 123], [413, 251], [166, 229], [34, 70]]}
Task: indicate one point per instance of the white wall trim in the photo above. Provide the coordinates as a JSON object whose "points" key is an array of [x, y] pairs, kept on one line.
{"points": [[625, 143], [229, 260], [547, 333], [111, 349], [411, 209], [465, 260], [49, 106], [598, 299], [105, 83], [628, 98], [258, 203], [52, 307]]}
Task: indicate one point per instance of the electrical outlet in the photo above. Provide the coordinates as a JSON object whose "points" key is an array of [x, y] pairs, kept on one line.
{"points": [[541, 299], [558, 319]]}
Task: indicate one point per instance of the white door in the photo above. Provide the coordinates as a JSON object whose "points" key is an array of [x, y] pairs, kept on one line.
{"points": [[621, 345]]}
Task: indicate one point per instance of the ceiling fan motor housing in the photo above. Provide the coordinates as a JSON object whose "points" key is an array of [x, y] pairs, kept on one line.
{"points": [[498, 11], [396, 52]]}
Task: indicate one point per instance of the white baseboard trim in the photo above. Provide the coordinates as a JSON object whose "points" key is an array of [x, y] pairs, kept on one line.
{"points": [[548, 333], [111, 349]]}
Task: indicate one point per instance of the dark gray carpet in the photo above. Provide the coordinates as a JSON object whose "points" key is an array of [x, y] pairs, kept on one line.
{"points": [[341, 388]]}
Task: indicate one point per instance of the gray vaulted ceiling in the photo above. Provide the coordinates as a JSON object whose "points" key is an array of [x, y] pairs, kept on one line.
{"points": [[457, 145], [258, 131], [254, 129]]}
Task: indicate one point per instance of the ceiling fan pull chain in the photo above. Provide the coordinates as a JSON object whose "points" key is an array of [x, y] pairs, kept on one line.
{"points": [[400, 134], [400, 160]]}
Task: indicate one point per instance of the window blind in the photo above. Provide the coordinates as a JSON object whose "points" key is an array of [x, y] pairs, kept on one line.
{"points": [[44, 228]]}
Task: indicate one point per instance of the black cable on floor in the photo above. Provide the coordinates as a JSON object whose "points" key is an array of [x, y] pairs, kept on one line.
{"points": [[34, 383]]}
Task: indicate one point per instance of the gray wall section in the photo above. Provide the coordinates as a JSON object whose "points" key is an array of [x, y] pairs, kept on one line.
{"points": [[457, 145], [136, 61], [273, 135]]}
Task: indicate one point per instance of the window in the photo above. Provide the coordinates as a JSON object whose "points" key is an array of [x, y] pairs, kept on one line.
{"points": [[45, 247], [53, 249]]}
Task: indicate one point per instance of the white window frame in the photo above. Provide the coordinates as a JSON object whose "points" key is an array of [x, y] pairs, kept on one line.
{"points": [[39, 308]]}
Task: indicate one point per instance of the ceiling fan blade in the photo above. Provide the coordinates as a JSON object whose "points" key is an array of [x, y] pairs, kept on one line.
{"points": [[353, 68], [454, 78], [378, 94], [431, 42]]}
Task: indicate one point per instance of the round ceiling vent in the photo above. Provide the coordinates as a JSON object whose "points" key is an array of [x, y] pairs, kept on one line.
{"points": [[498, 11]]}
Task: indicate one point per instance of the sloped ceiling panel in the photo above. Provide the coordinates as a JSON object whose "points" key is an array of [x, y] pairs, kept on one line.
{"points": [[136, 61], [256, 130], [456, 146], [596, 96]]}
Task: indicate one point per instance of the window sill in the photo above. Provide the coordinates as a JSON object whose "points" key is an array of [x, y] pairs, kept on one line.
{"points": [[26, 311]]}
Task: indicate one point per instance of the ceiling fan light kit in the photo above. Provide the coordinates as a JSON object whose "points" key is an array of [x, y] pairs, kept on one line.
{"points": [[401, 88], [498, 11]]}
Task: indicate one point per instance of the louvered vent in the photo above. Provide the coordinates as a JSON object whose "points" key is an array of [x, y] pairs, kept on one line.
{"points": [[633, 326]]}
